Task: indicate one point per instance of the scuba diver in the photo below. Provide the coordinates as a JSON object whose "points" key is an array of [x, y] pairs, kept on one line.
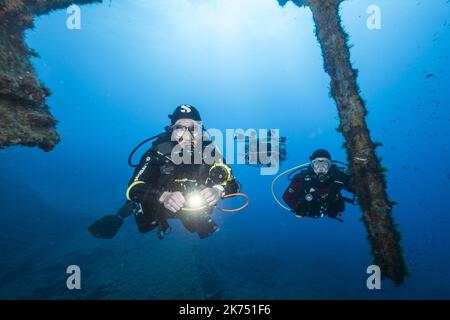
{"points": [[316, 190], [164, 188]]}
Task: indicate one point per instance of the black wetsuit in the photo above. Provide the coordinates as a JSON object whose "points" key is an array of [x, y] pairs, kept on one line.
{"points": [[315, 195], [156, 174]]}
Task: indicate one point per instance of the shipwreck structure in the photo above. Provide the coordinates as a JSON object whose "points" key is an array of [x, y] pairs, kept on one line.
{"points": [[25, 118]]}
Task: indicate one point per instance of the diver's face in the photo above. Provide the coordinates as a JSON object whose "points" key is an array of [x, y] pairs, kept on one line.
{"points": [[321, 165], [187, 132]]}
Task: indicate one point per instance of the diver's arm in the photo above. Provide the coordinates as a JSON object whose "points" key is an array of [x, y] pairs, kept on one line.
{"points": [[227, 183], [231, 186], [142, 186], [214, 192], [349, 189], [348, 185], [344, 179], [292, 194]]}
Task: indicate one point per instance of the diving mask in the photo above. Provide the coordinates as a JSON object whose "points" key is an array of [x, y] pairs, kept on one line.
{"points": [[321, 165], [194, 130]]}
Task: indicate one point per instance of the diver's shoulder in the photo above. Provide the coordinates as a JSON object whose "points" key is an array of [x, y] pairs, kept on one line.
{"points": [[165, 137], [305, 173], [162, 145], [339, 173]]}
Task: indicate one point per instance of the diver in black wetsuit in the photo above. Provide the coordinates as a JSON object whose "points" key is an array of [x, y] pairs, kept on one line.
{"points": [[316, 191], [174, 181]]}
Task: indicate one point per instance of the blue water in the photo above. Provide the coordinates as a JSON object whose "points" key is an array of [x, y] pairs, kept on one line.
{"points": [[244, 64]]}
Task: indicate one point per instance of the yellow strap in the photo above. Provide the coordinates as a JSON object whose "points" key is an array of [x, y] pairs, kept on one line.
{"points": [[185, 180], [131, 187], [193, 209]]}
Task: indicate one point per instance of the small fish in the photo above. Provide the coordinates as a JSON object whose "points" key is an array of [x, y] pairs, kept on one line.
{"points": [[430, 75]]}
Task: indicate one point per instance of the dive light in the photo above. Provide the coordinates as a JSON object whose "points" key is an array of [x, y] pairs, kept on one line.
{"points": [[194, 202]]}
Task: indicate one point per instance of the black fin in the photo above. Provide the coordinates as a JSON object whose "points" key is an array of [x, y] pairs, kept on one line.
{"points": [[106, 227]]}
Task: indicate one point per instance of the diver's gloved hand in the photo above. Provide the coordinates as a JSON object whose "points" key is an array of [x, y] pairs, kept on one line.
{"points": [[212, 195], [173, 201]]}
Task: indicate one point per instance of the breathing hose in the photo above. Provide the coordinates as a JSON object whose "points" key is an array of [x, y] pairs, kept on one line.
{"points": [[279, 176], [130, 157]]}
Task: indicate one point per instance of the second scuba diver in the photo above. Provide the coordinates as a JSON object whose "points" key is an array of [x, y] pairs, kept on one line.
{"points": [[316, 190], [162, 189]]}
